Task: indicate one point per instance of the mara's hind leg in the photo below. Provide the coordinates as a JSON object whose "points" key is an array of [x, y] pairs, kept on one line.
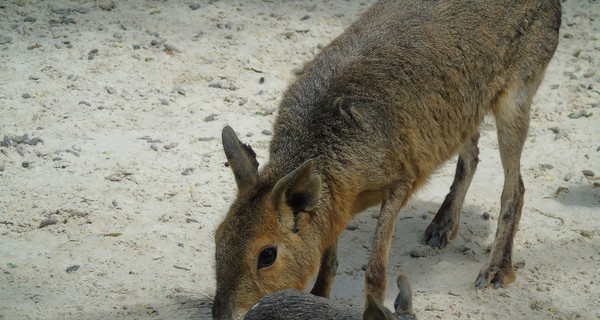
{"points": [[375, 275], [511, 110], [444, 226]]}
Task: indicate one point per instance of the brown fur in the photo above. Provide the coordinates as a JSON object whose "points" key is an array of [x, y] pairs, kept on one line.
{"points": [[366, 122]]}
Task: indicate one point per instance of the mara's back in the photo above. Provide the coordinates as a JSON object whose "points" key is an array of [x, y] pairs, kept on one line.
{"points": [[412, 77]]}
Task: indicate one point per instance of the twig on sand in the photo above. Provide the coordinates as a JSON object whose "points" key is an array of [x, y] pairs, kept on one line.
{"points": [[562, 221]]}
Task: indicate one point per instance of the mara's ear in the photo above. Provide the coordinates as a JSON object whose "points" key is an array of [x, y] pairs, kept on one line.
{"points": [[375, 310], [242, 160], [299, 190]]}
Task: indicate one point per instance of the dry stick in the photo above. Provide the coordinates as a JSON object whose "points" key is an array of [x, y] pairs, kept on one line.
{"points": [[562, 221]]}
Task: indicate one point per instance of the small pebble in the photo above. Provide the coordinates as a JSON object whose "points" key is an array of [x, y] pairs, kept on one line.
{"points": [[172, 48], [560, 135], [34, 46], [33, 142], [520, 264], [20, 139], [113, 177], [465, 250], [73, 152], [588, 173], [157, 42], [107, 6], [171, 145], [187, 171], [48, 222], [587, 233], [243, 101], [26, 164], [589, 74], [179, 90], [546, 166], [164, 101], [63, 20], [5, 39], [560, 190], [419, 253], [154, 147], [311, 8], [579, 114], [92, 54], [194, 6], [210, 118], [486, 216], [190, 220], [30, 19], [267, 132], [536, 305], [306, 17], [568, 176], [25, 96], [352, 226], [61, 11], [136, 47], [85, 103], [110, 90], [72, 268], [1, 167], [115, 203], [261, 80]]}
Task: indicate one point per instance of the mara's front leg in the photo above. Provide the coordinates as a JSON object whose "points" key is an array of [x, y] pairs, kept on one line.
{"points": [[375, 278], [327, 271]]}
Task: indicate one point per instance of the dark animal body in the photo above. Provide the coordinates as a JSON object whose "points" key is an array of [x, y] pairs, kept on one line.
{"points": [[291, 304], [365, 123]]}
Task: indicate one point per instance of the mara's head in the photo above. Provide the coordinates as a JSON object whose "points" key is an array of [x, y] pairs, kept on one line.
{"points": [[264, 244]]}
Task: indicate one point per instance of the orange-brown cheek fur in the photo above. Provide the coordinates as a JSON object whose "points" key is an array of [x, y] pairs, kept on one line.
{"points": [[294, 265]]}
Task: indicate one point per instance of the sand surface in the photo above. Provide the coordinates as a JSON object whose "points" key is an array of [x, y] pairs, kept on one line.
{"points": [[109, 204]]}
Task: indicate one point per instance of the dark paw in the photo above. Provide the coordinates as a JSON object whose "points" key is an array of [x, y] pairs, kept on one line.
{"points": [[437, 236], [496, 277]]}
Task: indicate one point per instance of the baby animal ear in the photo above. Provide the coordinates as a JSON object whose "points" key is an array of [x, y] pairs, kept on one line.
{"points": [[403, 303], [375, 310], [300, 189], [242, 160]]}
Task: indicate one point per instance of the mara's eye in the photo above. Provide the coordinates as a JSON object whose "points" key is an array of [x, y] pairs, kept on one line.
{"points": [[267, 257]]}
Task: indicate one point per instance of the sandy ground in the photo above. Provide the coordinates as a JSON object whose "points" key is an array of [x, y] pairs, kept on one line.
{"points": [[109, 204]]}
